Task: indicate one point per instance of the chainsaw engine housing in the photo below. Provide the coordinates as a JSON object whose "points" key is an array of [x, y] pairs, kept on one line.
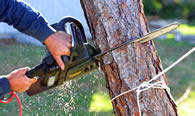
{"points": [[80, 61]]}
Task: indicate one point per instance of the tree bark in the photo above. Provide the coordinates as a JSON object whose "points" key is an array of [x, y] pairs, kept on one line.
{"points": [[111, 23]]}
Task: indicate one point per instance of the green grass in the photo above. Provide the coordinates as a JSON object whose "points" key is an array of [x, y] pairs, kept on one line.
{"points": [[14, 56], [88, 95]]}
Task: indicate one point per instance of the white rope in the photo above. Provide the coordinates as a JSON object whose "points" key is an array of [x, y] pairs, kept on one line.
{"points": [[158, 84]]}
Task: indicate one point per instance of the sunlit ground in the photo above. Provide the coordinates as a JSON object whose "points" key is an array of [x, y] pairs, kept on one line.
{"points": [[100, 103], [187, 29], [187, 107]]}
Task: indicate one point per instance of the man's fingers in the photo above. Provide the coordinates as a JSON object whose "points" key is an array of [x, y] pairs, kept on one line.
{"points": [[23, 70], [59, 61], [68, 44], [66, 52], [59, 44]]}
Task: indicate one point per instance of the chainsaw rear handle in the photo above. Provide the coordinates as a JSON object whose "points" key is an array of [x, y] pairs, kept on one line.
{"points": [[33, 72], [43, 67]]}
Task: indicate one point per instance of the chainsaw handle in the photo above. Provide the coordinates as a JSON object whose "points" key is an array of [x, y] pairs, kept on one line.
{"points": [[35, 71], [44, 66], [65, 59], [30, 73], [61, 26]]}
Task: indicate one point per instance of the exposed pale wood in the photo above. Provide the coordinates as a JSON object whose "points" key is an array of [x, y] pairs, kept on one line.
{"points": [[111, 23]]}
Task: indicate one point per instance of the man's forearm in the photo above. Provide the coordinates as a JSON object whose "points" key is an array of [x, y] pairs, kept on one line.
{"points": [[25, 19]]}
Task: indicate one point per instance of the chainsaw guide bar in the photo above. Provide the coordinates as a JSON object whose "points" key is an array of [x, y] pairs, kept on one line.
{"points": [[145, 38]]}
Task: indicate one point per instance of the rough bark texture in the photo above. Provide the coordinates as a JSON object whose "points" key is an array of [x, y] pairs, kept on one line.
{"points": [[111, 23]]}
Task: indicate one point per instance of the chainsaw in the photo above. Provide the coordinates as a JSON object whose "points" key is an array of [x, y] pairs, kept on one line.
{"points": [[84, 57]]}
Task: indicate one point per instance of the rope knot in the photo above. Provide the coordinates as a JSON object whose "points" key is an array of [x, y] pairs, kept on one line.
{"points": [[142, 87]]}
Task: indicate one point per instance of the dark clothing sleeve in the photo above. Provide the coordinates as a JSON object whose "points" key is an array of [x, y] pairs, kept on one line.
{"points": [[4, 87], [25, 19]]}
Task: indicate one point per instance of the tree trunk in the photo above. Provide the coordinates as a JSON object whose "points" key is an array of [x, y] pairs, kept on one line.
{"points": [[111, 23]]}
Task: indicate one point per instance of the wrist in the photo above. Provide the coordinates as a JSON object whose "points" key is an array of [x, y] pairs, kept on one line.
{"points": [[9, 78], [45, 32], [48, 40], [5, 85]]}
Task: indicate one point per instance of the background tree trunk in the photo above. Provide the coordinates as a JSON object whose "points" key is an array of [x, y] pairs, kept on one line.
{"points": [[167, 2], [111, 23]]}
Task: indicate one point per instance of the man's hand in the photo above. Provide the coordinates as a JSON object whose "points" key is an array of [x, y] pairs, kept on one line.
{"points": [[19, 82], [59, 44]]}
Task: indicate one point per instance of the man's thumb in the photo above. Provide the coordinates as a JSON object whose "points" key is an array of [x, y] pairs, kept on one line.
{"points": [[59, 62], [33, 80]]}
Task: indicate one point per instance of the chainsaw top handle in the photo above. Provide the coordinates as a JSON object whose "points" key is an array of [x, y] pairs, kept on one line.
{"points": [[62, 25], [77, 33]]}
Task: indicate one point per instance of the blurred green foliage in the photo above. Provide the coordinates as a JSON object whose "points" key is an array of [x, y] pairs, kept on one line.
{"points": [[152, 7], [166, 9]]}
